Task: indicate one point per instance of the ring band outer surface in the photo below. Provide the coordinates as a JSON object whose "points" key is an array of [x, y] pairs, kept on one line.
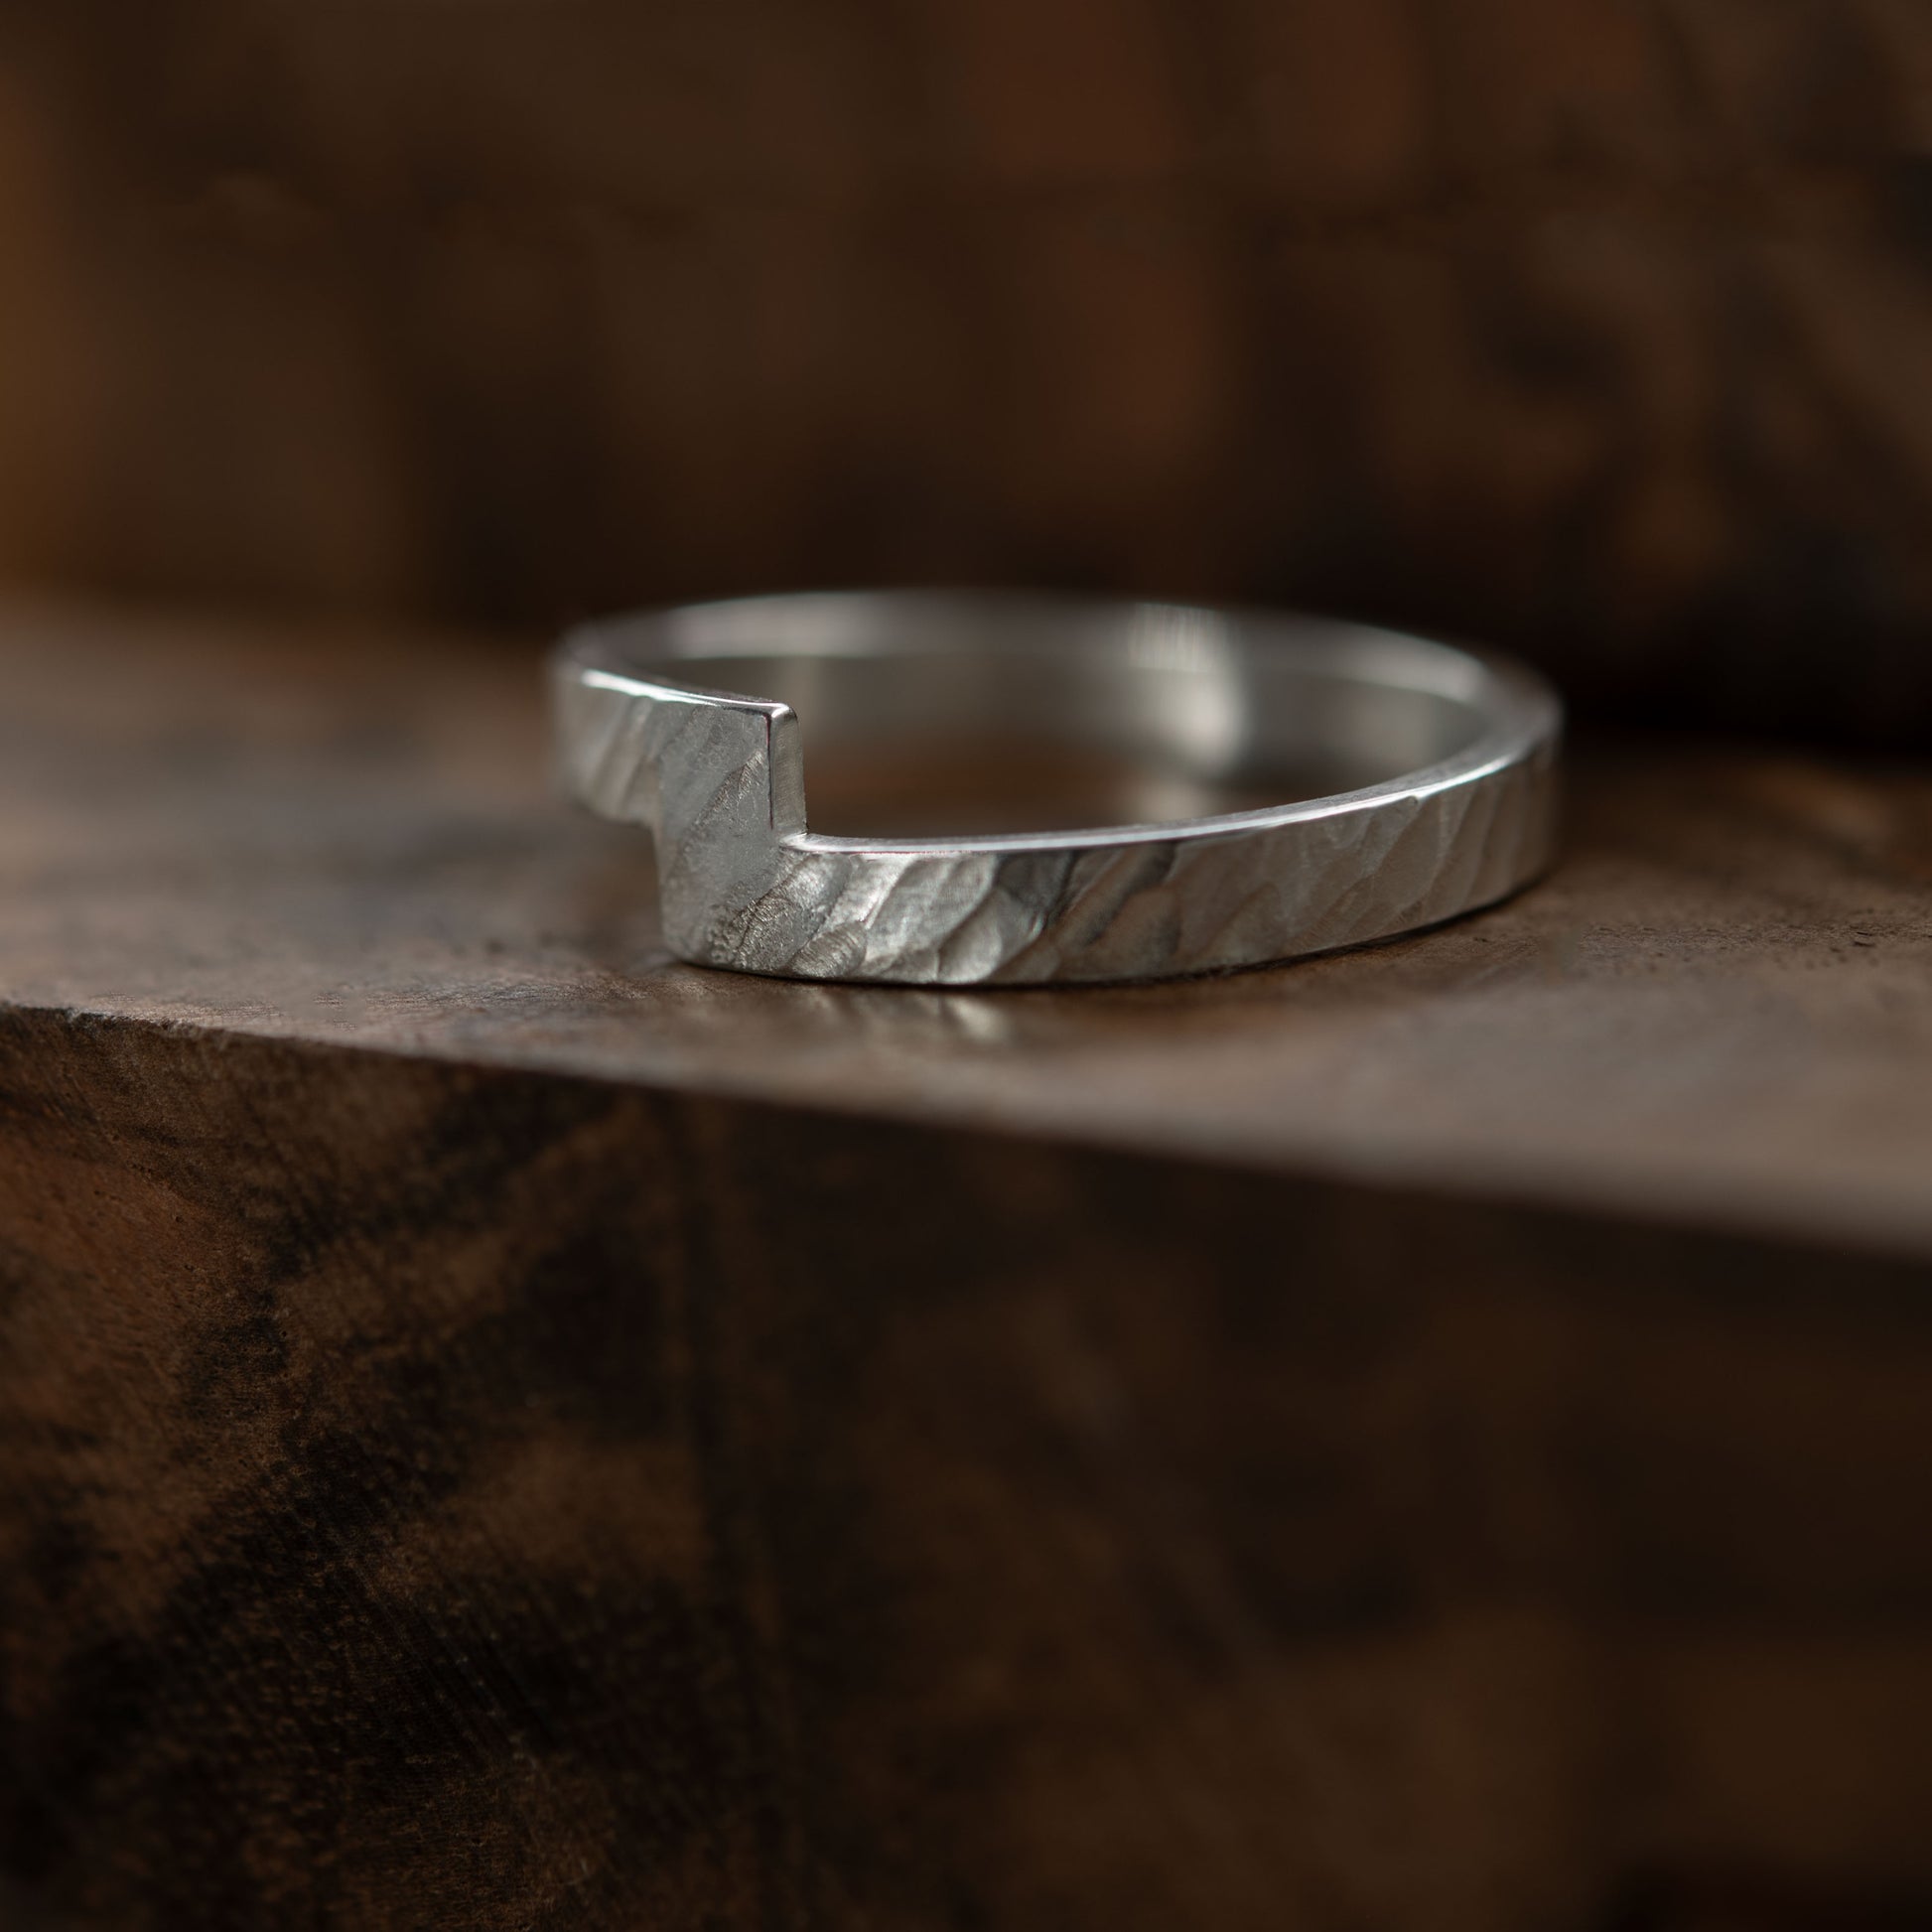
{"points": [[718, 780]]}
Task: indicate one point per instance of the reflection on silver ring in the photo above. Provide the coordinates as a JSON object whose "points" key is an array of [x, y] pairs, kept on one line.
{"points": [[1439, 787]]}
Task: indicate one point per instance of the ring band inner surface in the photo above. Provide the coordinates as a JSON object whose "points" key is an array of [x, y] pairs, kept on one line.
{"points": [[1049, 724]]}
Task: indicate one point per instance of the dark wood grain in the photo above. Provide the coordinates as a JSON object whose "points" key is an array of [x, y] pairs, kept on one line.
{"points": [[460, 1499], [1598, 326], [501, 1430]]}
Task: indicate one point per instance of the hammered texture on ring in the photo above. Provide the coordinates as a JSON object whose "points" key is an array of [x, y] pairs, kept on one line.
{"points": [[692, 723]]}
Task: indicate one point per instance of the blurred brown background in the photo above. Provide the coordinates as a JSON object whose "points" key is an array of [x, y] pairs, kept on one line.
{"points": [[1604, 330]]}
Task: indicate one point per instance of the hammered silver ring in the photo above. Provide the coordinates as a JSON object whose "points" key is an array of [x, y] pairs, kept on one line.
{"points": [[1437, 770]]}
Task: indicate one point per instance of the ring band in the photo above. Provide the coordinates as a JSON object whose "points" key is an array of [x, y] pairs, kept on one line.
{"points": [[1449, 758]]}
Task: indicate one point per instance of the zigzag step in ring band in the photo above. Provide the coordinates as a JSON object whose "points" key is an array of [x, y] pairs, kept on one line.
{"points": [[1437, 775]]}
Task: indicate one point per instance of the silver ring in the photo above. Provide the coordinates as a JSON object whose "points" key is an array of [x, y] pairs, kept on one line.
{"points": [[1438, 776]]}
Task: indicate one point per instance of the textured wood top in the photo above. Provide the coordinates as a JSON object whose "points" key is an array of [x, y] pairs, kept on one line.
{"points": [[1719, 1009]]}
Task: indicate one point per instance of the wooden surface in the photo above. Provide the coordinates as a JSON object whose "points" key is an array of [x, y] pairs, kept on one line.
{"points": [[498, 1430], [1598, 326], [1716, 1009]]}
